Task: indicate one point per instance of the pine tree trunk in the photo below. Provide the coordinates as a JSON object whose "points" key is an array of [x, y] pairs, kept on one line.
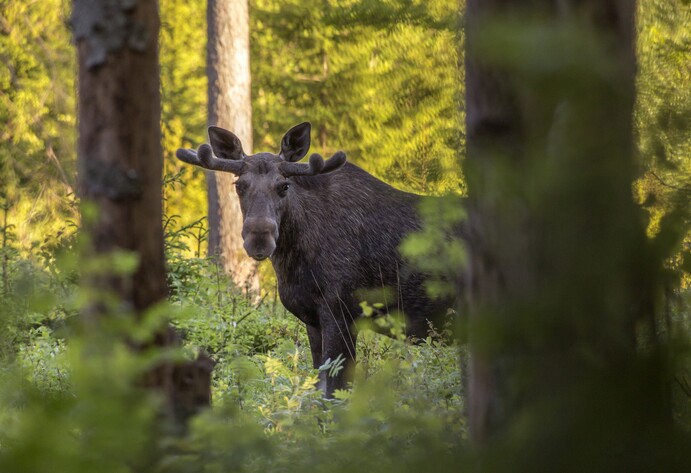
{"points": [[230, 107], [558, 265], [119, 149], [120, 162]]}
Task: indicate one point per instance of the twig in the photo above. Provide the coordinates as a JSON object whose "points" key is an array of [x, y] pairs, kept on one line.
{"points": [[666, 184], [50, 152]]}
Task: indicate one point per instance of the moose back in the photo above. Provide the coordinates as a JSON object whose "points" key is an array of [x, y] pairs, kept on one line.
{"points": [[330, 230]]}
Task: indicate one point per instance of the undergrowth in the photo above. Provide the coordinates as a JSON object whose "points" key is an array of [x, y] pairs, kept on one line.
{"points": [[68, 401]]}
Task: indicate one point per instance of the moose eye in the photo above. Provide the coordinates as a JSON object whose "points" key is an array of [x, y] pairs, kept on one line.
{"points": [[283, 188], [240, 188]]}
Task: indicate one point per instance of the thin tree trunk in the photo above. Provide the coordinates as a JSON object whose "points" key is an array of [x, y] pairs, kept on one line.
{"points": [[230, 107], [558, 264]]}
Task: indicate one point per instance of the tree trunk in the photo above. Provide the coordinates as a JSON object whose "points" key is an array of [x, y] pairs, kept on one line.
{"points": [[119, 148], [230, 107], [560, 269], [120, 159]]}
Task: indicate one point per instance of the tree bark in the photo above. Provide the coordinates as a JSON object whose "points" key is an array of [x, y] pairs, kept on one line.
{"points": [[120, 162], [119, 149], [230, 107], [559, 264]]}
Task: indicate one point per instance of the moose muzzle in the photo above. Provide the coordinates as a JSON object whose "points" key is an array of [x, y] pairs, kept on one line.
{"points": [[259, 235]]}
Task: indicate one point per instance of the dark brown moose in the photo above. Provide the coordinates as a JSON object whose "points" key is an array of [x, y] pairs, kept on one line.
{"points": [[330, 230]]}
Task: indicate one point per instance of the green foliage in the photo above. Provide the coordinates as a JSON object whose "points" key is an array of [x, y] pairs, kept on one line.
{"points": [[663, 113], [379, 80], [37, 112], [436, 250], [88, 418], [183, 111], [68, 397]]}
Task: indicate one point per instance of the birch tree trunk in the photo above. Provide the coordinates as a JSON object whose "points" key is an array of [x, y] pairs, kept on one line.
{"points": [[230, 107]]}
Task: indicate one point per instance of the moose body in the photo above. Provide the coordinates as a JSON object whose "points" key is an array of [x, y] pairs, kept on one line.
{"points": [[331, 231]]}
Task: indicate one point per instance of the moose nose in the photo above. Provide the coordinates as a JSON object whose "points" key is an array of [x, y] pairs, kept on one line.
{"points": [[259, 235], [260, 227]]}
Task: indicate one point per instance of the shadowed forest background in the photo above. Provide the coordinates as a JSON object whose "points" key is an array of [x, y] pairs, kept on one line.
{"points": [[386, 83]]}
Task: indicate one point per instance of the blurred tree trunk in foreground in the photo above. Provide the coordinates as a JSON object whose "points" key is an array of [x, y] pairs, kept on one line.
{"points": [[230, 107], [563, 290], [120, 164]]}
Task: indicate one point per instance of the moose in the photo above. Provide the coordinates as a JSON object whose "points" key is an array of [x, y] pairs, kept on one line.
{"points": [[330, 230]]}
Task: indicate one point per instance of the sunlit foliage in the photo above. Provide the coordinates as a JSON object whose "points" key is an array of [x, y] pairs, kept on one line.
{"points": [[663, 115], [37, 117], [378, 80]]}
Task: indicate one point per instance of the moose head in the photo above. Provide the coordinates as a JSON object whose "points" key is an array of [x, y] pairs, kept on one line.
{"points": [[264, 184]]}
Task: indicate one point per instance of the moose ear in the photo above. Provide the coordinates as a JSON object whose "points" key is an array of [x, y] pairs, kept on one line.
{"points": [[296, 142], [225, 144]]}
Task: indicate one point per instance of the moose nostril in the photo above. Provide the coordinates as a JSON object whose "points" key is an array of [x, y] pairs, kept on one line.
{"points": [[260, 227]]}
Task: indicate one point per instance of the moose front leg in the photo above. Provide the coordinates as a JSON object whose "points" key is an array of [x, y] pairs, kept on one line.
{"points": [[338, 342], [314, 335]]}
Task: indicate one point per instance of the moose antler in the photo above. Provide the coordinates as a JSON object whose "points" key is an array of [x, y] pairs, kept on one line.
{"points": [[204, 157], [316, 165]]}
